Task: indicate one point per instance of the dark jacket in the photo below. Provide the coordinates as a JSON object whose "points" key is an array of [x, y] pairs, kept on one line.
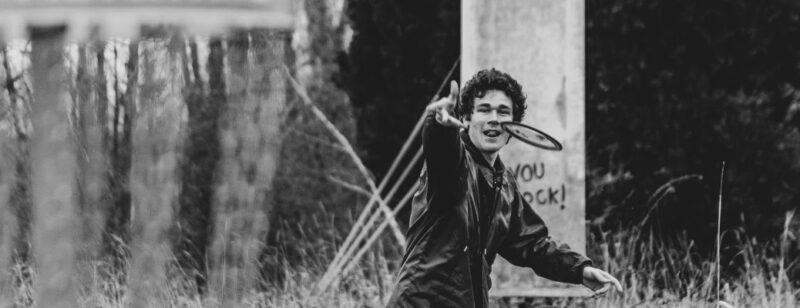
{"points": [[465, 213]]}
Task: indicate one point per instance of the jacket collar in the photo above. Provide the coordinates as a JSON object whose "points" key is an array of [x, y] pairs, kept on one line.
{"points": [[498, 168]]}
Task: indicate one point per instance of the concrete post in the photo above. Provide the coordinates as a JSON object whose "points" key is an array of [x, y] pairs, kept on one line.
{"points": [[541, 44]]}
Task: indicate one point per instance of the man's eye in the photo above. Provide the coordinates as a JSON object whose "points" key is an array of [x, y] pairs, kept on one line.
{"points": [[482, 110]]}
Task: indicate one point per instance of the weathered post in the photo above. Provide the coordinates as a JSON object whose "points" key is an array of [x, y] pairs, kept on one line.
{"points": [[53, 173], [251, 143], [154, 186]]}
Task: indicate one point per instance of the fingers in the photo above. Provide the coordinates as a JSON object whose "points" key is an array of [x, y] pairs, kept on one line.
{"points": [[608, 280], [448, 120], [453, 91], [442, 107], [594, 278], [616, 283], [442, 116], [444, 102], [602, 290], [447, 101], [440, 104]]}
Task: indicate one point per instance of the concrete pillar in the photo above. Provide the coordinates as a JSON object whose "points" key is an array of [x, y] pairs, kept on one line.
{"points": [[541, 44]]}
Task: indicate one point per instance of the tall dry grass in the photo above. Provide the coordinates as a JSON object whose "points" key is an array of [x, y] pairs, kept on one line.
{"points": [[655, 273], [659, 272]]}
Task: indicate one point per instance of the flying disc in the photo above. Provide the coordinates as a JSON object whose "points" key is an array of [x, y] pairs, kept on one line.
{"points": [[532, 136]]}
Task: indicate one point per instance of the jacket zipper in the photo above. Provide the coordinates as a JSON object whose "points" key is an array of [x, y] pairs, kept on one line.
{"points": [[497, 183]]}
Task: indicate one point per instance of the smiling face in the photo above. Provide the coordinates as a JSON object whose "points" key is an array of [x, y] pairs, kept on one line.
{"points": [[484, 123]]}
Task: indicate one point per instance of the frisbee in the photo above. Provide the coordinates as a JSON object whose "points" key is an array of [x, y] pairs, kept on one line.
{"points": [[532, 136]]}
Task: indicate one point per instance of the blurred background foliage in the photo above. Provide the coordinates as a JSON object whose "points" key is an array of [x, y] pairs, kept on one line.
{"points": [[673, 89], [676, 87], [400, 53]]}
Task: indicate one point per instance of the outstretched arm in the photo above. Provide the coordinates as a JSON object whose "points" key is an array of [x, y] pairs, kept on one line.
{"points": [[440, 139], [529, 244]]}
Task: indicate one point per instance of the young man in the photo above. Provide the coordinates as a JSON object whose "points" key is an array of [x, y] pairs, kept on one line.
{"points": [[469, 208]]}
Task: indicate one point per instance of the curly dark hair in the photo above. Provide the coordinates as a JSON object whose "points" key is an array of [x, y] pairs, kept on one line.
{"points": [[486, 80]]}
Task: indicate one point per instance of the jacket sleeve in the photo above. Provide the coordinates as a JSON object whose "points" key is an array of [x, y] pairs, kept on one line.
{"points": [[528, 244], [443, 154]]}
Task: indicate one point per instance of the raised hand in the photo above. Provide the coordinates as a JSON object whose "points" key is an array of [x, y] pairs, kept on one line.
{"points": [[444, 106]]}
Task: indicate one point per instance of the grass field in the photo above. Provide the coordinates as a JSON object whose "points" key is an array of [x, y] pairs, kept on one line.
{"points": [[654, 274]]}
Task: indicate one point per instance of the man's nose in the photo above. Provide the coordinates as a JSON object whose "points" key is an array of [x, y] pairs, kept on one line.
{"points": [[493, 118], [493, 115]]}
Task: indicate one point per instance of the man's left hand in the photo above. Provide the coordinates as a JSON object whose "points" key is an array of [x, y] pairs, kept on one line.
{"points": [[599, 280]]}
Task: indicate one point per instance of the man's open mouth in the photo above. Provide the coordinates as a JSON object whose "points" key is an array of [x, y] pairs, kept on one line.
{"points": [[492, 133]]}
